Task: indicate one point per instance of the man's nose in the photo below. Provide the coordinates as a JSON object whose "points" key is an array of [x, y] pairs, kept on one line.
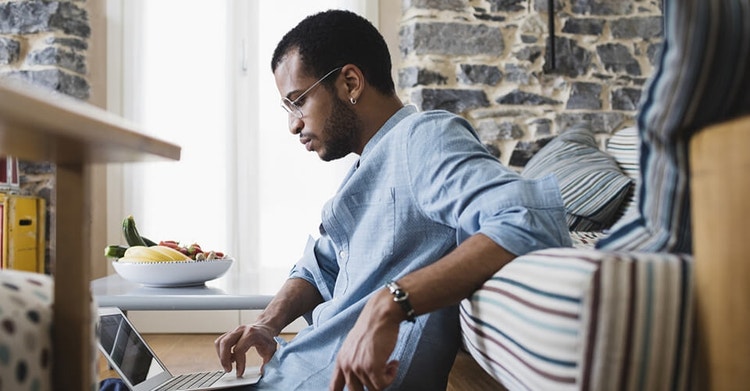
{"points": [[295, 124]]}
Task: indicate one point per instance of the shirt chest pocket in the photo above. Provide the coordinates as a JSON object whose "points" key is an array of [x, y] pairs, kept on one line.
{"points": [[368, 220]]}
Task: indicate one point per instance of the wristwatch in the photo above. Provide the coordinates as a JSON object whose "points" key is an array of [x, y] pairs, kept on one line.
{"points": [[401, 297]]}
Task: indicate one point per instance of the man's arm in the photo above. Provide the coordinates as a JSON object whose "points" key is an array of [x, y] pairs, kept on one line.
{"points": [[362, 359], [295, 298]]}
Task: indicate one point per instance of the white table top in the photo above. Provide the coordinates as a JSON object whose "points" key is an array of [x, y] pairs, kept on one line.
{"points": [[114, 291]]}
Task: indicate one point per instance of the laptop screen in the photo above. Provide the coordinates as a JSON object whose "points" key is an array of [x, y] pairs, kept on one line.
{"points": [[127, 350]]}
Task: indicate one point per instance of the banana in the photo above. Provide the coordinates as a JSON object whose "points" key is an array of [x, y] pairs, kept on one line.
{"points": [[135, 260], [170, 252], [143, 254]]}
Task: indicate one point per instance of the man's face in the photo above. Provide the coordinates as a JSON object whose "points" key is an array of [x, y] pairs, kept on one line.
{"points": [[328, 125]]}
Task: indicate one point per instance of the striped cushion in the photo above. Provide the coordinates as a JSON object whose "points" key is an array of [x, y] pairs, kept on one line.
{"points": [[591, 184], [574, 319], [702, 78], [623, 147]]}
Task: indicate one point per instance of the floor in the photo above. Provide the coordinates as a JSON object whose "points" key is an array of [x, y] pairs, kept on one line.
{"points": [[183, 353]]}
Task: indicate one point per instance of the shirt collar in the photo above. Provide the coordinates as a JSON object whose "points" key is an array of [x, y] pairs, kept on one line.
{"points": [[387, 126]]}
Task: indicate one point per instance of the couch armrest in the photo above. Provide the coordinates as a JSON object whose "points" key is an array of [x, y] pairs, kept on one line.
{"points": [[584, 319]]}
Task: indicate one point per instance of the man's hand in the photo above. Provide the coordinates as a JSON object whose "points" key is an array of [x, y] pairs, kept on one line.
{"points": [[362, 360], [232, 346]]}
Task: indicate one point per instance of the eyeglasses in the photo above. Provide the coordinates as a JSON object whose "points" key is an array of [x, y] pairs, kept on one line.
{"points": [[291, 106]]}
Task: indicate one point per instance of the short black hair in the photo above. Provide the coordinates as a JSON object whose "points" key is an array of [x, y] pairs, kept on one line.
{"points": [[334, 38]]}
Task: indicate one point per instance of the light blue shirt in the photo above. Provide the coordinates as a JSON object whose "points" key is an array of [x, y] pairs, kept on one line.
{"points": [[423, 184]]}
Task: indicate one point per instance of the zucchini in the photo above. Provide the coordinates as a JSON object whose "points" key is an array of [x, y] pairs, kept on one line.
{"points": [[131, 234], [149, 242], [115, 251]]}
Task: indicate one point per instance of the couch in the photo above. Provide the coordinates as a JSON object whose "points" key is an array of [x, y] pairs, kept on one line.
{"points": [[580, 318], [630, 306]]}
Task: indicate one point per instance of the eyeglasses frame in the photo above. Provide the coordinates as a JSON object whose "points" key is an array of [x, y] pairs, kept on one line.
{"points": [[291, 107]]}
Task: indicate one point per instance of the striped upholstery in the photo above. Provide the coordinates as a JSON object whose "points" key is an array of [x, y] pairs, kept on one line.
{"points": [[576, 319], [585, 239], [623, 147], [592, 186], [702, 78]]}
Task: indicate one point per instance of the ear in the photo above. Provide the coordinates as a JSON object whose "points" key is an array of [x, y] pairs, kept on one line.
{"points": [[355, 81]]}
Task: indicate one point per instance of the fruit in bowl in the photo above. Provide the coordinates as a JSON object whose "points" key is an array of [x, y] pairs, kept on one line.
{"points": [[172, 274], [164, 264]]}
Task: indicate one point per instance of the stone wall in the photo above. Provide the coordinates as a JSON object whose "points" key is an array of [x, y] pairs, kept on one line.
{"points": [[490, 61], [45, 43]]}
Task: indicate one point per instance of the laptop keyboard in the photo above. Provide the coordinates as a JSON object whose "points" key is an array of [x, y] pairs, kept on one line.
{"points": [[191, 381]]}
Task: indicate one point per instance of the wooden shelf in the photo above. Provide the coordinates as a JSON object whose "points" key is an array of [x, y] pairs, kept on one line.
{"points": [[39, 125]]}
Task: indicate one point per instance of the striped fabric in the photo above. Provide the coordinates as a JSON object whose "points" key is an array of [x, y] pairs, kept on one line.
{"points": [[575, 319], [586, 240], [623, 147], [592, 186], [702, 78]]}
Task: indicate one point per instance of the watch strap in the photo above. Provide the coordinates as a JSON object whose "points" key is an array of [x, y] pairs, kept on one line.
{"points": [[401, 297]]}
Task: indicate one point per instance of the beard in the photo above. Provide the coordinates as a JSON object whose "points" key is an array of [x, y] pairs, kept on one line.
{"points": [[341, 129]]}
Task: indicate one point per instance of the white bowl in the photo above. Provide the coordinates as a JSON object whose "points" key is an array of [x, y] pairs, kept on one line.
{"points": [[173, 274]]}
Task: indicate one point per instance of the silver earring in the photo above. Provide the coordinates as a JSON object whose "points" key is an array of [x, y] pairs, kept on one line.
{"points": [[353, 101]]}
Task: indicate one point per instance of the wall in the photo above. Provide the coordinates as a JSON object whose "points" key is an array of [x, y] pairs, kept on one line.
{"points": [[490, 61], [46, 44]]}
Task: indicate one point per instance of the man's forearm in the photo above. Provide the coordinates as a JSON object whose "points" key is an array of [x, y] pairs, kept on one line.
{"points": [[454, 277], [295, 298]]}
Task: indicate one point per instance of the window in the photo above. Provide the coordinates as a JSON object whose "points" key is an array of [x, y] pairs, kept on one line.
{"points": [[199, 76]]}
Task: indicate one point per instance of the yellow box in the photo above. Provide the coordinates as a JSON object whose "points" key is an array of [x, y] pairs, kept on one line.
{"points": [[3, 231], [23, 233]]}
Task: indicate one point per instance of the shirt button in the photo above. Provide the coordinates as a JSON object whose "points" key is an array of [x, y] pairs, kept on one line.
{"points": [[342, 254]]}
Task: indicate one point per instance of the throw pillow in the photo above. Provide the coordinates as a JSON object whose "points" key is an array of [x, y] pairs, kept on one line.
{"points": [[623, 147], [591, 184]]}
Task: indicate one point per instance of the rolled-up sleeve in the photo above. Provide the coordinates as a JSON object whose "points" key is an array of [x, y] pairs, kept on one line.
{"points": [[318, 266], [463, 186]]}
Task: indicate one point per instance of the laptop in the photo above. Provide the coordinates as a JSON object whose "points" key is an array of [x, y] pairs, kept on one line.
{"points": [[135, 362]]}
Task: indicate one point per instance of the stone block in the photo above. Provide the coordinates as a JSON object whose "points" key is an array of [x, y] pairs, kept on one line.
{"points": [[584, 26], [645, 28], [479, 74], [413, 76], [452, 39], [584, 95], [60, 57], [56, 80], [28, 17], [518, 97], [73, 43], [529, 53], [525, 150], [443, 5], [626, 99], [600, 122], [571, 59], [453, 100], [601, 7], [617, 58], [507, 5], [10, 50], [492, 130]]}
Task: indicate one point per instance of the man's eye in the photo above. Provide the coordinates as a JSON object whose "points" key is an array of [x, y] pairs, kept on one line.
{"points": [[300, 101]]}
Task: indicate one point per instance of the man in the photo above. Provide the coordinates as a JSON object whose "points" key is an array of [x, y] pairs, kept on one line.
{"points": [[420, 222]]}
